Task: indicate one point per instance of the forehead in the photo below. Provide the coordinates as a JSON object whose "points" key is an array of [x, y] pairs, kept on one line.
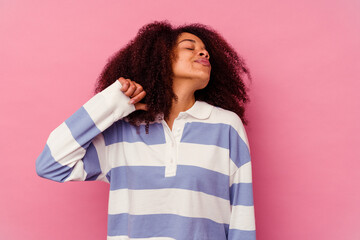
{"points": [[189, 37]]}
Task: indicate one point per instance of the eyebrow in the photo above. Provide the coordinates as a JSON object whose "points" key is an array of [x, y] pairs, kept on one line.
{"points": [[191, 40]]}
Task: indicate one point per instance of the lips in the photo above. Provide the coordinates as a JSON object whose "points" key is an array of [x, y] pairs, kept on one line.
{"points": [[203, 61]]}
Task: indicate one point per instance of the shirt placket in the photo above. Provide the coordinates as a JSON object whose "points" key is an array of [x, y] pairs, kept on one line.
{"points": [[173, 141]]}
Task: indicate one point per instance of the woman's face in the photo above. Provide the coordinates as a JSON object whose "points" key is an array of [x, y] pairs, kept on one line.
{"points": [[191, 66]]}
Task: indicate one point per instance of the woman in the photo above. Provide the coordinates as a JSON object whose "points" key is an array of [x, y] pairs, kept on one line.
{"points": [[165, 129]]}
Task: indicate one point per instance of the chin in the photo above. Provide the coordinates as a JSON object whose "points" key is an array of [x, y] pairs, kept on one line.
{"points": [[203, 77], [203, 84]]}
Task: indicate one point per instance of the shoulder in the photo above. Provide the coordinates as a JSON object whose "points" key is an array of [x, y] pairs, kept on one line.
{"points": [[227, 117], [221, 115]]}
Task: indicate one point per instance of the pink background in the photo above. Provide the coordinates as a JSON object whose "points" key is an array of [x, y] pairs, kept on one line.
{"points": [[304, 114]]}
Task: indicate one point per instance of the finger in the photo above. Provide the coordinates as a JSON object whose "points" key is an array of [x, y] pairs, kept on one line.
{"points": [[138, 90], [124, 84], [130, 91], [138, 97], [141, 106]]}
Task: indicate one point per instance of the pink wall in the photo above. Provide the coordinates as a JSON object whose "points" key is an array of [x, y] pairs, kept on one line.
{"points": [[304, 114]]}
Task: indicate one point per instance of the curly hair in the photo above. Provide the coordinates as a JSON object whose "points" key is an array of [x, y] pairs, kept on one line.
{"points": [[147, 60]]}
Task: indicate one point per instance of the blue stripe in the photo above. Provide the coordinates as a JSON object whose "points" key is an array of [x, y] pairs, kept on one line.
{"points": [[122, 131], [239, 152], [241, 194], [207, 133], [165, 225], [108, 176], [187, 177], [235, 234], [82, 127], [91, 163], [218, 134], [47, 167]]}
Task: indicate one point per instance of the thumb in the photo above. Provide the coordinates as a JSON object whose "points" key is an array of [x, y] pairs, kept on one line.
{"points": [[141, 106]]}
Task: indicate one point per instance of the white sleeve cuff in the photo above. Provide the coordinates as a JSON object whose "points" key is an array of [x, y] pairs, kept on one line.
{"points": [[118, 101]]}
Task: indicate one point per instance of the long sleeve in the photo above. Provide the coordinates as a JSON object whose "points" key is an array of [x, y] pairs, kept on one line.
{"points": [[242, 220], [75, 150]]}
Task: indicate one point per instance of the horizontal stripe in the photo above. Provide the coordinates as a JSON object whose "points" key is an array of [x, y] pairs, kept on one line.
{"points": [[233, 169], [205, 156], [47, 167], [187, 177], [235, 234], [182, 202], [77, 172], [242, 218], [82, 127], [239, 151], [220, 115], [165, 225], [123, 237], [206, 133], [243, 174], [218, 134], [103, 157], [122, 131], [241, 194], [128, 154], [91, 163], [64, 148]]}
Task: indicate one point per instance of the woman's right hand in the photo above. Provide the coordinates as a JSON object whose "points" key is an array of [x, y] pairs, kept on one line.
{"points": [[134, 91]]}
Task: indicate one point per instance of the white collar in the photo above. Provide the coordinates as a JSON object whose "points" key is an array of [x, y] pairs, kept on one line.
{"points": [[200, 110]]}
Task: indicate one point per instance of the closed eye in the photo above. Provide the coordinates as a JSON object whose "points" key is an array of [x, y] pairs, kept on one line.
{"points": [[190, 48]]}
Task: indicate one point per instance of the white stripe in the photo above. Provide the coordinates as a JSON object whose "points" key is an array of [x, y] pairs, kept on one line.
{"points": [[220, 115], [78, 173], [64, 148], [108, 106], [169, 201], [137, 154], [99, 112], [243, 175], [233, 168], [99, 144], [206, 156], [123, 237], [242, 218]]}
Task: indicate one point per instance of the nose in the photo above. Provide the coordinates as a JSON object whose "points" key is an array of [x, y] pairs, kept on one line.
{"points": [[203, 52]]}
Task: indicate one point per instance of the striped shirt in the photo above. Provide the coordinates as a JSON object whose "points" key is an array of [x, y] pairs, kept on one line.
{"points": [[191, 182]]}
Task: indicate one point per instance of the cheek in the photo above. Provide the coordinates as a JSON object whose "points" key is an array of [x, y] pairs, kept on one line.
{"points": [[182, 65]]}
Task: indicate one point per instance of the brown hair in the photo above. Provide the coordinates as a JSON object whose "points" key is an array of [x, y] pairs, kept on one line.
{"points": [[147, 60]]}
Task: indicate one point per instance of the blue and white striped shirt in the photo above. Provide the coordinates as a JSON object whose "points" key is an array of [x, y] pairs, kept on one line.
{"points": [[191, 182]]}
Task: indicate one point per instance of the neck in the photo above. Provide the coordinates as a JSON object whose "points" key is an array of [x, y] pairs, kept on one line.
{"points": [[181, 105], [185, 100]]}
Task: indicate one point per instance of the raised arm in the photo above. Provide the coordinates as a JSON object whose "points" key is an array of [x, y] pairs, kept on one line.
{"points": [[75, 150]]}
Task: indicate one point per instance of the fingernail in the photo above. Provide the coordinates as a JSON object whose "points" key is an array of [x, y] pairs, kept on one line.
{"points": [[131, 101]]}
